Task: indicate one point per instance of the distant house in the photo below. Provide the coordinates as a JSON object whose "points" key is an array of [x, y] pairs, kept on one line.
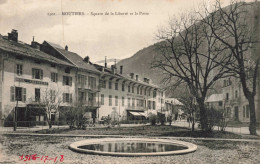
{"points": [[215, 101], [172, 107]]}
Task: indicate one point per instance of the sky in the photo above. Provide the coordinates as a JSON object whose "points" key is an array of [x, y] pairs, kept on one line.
{"points": [[93, 35]]}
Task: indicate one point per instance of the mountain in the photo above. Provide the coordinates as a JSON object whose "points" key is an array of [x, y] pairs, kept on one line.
{"points": [[140, 63]]}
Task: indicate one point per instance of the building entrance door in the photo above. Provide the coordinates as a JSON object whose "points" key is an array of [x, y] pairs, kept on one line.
{"points": [[236, 114]]}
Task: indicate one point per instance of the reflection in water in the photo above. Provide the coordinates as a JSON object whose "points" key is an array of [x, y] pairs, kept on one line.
{"points": [[133, 147]]}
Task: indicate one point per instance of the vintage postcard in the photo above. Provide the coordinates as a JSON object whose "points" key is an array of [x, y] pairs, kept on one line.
{"points": [[129, 81]]}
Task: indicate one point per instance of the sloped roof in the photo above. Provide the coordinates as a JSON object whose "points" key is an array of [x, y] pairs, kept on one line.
{"points": [[27, 51], [215, 98], [173, 101], [54, 45], [73, 58]]}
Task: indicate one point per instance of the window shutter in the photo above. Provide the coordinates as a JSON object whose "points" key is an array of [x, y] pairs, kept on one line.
{"points": [[63, 82], [95, 83], [21, 70], [70, 95], [70, 81], [24, 94], [41, 74], [64, 97], [16, 69], [33, 73], [56, 77], [12, 93], [52, 77]]}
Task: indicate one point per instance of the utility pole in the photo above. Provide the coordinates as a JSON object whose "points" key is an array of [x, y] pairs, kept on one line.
{"points": [[15, 115]]}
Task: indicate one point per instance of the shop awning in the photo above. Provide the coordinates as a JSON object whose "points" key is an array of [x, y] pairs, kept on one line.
{"points": [[135, 113], [143, 114]]}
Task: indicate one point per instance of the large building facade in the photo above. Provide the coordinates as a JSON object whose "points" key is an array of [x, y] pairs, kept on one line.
{"points": [[29, 75], [235, 103], [32, 72], [127, 97]]}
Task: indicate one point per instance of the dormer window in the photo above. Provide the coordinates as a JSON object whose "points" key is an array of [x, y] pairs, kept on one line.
{"points": [[67, 70], [19, 58], [37, 62], [53, 65]]}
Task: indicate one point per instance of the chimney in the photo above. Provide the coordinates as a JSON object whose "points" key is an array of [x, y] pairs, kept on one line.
{"points": [[113, 69], [66, 48], [131, 75], [105, 62], [35, 45], [86, 59], [121, 69], [136, 77], [13, 35], [148, 80]]}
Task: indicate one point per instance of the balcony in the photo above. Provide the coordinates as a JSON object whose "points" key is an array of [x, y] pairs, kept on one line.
{"points": [[90, 87], [135, 108], [95, 104]]}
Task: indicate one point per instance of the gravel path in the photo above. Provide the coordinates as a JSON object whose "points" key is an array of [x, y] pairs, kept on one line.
{"points": [[13, 146]]}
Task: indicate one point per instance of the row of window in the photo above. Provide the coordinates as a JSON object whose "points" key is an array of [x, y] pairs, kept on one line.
{"points": [[137, 102], [19, 94], [38, 74], [130, 89]]}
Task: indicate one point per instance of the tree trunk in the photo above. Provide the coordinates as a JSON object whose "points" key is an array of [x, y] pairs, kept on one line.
{"points": [[50, 124], [192, 127], [49, 121], [203, 116], [250, 96], [193, 121], [252, 125]]}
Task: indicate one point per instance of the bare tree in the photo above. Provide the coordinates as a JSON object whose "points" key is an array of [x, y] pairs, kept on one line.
{"points": [[230, 26], [49, 103], [186, 54]]}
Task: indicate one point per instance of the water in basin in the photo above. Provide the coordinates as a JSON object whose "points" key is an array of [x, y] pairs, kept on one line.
{"points": [[133, 147]]}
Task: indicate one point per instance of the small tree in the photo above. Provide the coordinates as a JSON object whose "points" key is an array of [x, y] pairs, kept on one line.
{"points": [[75, 116], [49, 103], [214, 117], [170, 120], [70, 116], [161, 118], [153, 119], [224, 119]]}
